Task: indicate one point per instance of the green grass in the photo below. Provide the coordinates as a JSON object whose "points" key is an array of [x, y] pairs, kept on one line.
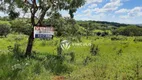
{"points": [[5, 22], [116, 60]]}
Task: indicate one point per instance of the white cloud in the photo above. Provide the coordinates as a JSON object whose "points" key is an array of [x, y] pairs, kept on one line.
{"points": [[99, 17], [93, 1], [94, 11], [135, 12], [87, 12], [92, 6], [124, 16], [131, 13], [111, 6], [122, 11]]}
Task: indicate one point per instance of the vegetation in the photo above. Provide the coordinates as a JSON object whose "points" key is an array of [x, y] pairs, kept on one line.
{"points": [[4, 28], [98, 61], [98, 50], [21, 26], [129, 31], [45, 7]]}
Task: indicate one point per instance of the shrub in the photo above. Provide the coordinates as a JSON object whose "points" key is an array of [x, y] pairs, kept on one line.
{"points": [[118, 38], [59, 49], [94, 49], [87, 60], [104, 34], [4, 29], [72, 54], [56, 65], [138, 39], [21, 27], [128, 31], [120, 52], [98, 33], [16, 50]]}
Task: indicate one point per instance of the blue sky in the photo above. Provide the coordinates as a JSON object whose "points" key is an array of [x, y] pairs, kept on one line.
{"points": [[122, 11]]}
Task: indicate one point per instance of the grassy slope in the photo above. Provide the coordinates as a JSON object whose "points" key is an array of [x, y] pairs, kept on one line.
{"points": [[120, 59]]}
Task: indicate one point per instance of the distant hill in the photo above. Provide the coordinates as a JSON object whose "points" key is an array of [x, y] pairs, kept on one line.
{"points": [[139, 25], [115, 24], [112, 23]]}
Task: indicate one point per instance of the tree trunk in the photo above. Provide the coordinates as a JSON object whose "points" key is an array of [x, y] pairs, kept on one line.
{"points": [[30, 44], [31, 37]]}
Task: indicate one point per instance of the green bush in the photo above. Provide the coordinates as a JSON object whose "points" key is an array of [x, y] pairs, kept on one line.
{"points": [[21, 26], [104, 34], [16, 50], [98, 33], [118, 38], [94, 50], [138, 39], [4, 29]]}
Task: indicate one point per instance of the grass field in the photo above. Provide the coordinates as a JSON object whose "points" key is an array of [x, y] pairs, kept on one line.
{"points": [[116, 58]]}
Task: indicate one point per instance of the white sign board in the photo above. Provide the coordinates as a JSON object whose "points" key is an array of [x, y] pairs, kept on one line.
{"points": [[43, 32]]}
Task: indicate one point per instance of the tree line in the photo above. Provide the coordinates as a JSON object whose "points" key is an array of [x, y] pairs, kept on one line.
{"points": [[128, 31], [68, 27]]}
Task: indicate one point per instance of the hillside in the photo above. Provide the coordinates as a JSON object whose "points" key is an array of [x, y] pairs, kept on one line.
{"points": [[114, 24]]}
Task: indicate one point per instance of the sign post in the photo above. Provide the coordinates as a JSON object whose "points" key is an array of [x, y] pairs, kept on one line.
{"points": [[43, 32]]}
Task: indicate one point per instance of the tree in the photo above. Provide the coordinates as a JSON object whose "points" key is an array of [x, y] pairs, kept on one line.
{"points": [[21, 26], [45, 7], [58, 22], [89, 29]]}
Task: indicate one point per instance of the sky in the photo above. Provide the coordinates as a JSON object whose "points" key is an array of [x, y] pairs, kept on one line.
{"points": [[121, 11]]}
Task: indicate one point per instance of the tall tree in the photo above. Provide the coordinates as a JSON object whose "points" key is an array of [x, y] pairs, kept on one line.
{"points": [[45, 7]]}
